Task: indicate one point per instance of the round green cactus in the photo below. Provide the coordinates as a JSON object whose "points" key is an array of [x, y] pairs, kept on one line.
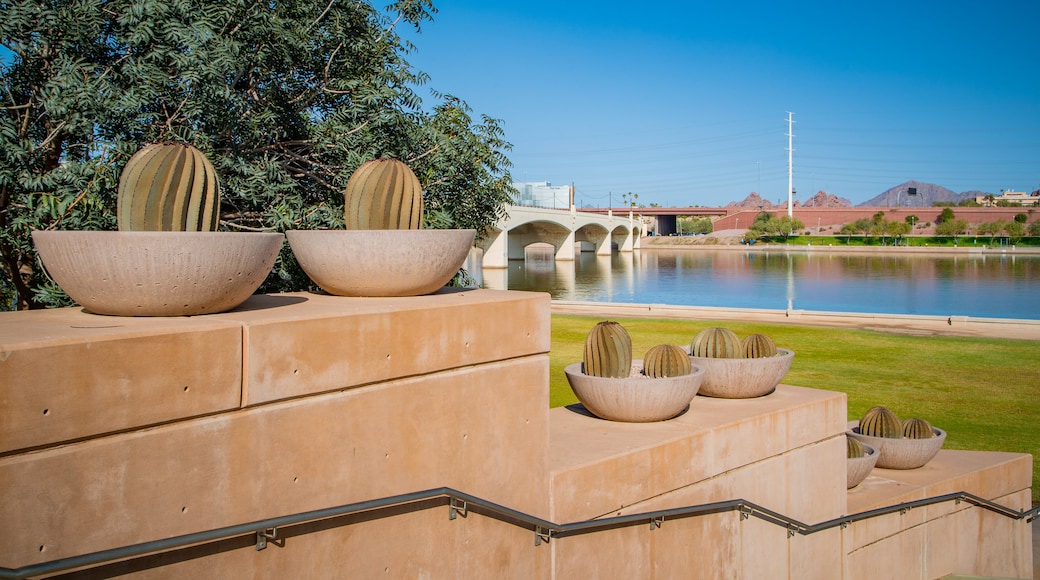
{"points": [[383, 194], [666, 360], [917, 429], [716, 343], [881, 422], [608, 351], [757, 346], [854, 448], [168, 187]]}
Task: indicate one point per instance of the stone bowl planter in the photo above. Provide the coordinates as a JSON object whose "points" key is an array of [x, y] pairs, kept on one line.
{"points": [[381, 262], [157, 273], [743, 378], [858, 468], [636, 399], [901, 453]]}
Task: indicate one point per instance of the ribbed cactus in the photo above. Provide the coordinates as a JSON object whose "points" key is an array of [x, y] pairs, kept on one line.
{"points": [[608, 351], [666, 360], [168, 187], [716, 343], [881, 422], [917, 429], [757, 346], [383, 194], [854, 448]]}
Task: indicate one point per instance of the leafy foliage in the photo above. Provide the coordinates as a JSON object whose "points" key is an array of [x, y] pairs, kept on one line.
{"points": [[286, 99], [768, 225]]}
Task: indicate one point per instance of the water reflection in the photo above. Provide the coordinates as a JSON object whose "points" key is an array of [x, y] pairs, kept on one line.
{"points": [[976, 285]]}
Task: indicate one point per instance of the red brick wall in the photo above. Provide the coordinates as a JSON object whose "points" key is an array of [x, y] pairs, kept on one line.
{"points": [[814, 217]]}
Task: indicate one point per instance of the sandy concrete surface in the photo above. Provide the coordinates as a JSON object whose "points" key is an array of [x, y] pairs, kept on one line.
{"points": [[894, 323]]}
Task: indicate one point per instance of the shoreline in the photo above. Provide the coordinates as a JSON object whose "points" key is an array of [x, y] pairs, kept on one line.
{"points": [[912, 324], [730, 240]]}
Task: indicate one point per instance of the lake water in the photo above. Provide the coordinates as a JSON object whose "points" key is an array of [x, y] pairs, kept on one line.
{"points": [[987, 286]]}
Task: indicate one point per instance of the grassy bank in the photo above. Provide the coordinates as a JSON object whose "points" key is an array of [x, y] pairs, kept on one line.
{"points": [[916, 241], [983, 392]]}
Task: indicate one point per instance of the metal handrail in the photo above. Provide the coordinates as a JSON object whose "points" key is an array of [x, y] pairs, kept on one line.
{"points": [[461, 503]]}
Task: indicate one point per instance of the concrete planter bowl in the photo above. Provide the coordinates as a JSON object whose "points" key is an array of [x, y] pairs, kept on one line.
{"points": [[636, 399], [381, 262], [901, 453], [157, 273], [858, 468], [743, 378]]}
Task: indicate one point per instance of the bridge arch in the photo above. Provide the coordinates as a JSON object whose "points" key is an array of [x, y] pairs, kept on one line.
{"points": [[561, 228]]}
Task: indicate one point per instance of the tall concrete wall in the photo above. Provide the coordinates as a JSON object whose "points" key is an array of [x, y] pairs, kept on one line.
{"points": [[822, 217], [116, 431]]}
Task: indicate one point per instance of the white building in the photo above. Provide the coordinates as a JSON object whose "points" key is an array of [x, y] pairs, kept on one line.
{"points": [[543, 194], [1015, 198]]}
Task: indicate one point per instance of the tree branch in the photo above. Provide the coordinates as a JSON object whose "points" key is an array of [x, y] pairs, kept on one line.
{"points": [[320, 16]]}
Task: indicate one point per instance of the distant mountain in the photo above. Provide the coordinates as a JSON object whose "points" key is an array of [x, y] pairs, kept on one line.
{"points": [[926, 194], [753, 200], [821, 199]]}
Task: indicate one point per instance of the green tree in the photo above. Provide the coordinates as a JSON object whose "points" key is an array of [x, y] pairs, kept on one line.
{"points": [[954, 227], [858, 227], [1021, 218], [695, 225], [782, 226], [897, 229], [287, 99], [1015, 230], [991, 229], [946, 215]]}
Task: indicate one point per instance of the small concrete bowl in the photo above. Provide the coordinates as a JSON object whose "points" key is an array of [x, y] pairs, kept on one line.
{"points": [[858, 468], [381, 262], [743, 378], [637, 398], [157, 273], [901, 453]]}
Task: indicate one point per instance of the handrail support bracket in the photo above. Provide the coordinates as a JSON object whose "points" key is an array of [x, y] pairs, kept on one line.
{"points": [[457, 507]]}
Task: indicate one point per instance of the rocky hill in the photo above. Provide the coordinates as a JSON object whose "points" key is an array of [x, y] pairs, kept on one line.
{"points": [[824, 199], [926, 194], [898, 195], [821, 199]]}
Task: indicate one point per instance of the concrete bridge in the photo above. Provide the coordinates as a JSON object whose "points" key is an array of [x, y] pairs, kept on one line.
{"points": [[564, 229]]}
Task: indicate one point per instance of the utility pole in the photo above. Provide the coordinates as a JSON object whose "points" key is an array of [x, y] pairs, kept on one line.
{"points": [[790, 164]]}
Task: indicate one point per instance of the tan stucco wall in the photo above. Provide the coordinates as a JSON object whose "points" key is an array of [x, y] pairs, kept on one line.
{"points": [[160, 427]]}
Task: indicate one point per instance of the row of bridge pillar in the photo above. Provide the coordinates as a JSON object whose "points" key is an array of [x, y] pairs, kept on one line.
{"points": [[509, 243]]}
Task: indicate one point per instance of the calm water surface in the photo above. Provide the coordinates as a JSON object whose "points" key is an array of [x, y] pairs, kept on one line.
{"points": [[990, 286]]}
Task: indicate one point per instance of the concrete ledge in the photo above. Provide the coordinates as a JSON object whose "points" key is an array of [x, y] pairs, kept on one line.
{"points": [[602, 467], [302, 343], [66, 374], [284, 458], [947, 538]]}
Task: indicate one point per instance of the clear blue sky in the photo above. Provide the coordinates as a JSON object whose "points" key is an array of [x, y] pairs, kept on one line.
{"points": [[685, 103]]}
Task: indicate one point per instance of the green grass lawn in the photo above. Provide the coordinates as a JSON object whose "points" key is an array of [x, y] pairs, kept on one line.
{"points": [[985, 393]]}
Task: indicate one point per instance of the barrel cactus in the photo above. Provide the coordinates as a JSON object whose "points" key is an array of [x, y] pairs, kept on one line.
{"points": [[881, 422], [716, 343], [383, 194], [608, 351], [757, 346], [168, 187], [917, 429], [854, 448], [666, 360]]}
